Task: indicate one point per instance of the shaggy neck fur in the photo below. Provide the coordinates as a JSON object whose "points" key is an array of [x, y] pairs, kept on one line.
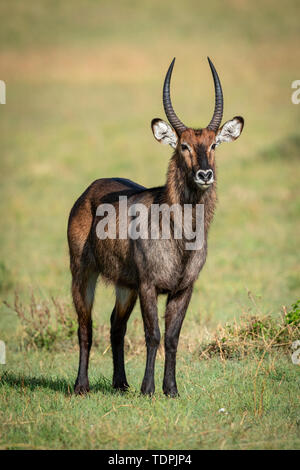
{"points": [[181, 190]]}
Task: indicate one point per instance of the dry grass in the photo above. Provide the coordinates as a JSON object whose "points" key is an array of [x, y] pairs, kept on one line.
{"points": [[254, 334], [114, 63], [43, 324], [51, 325]]}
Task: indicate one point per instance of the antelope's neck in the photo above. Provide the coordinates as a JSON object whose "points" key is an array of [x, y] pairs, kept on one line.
{"points": [[180, 191]]}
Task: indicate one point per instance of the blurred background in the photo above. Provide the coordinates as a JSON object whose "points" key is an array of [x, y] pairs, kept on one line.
{"points": [[83, 81]]}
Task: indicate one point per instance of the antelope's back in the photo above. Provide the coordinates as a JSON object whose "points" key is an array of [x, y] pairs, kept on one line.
{"points": [[84, 245]]}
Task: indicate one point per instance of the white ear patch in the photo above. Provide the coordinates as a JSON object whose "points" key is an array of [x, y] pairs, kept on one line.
{"points": [[230, 131], [164, 133]]}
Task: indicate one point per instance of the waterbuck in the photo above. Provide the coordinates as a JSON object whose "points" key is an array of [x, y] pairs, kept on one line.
{"points": [[145, 267]]}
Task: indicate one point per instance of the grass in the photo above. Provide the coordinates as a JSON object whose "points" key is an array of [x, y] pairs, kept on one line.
{"points": [[47, 415], [83, 84]]}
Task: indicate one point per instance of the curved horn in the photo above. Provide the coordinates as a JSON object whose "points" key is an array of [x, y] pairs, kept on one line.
{"points": [[218, 112], [170, 113]]}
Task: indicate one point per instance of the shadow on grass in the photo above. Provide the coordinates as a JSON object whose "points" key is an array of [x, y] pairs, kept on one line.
{"points": [[19, 381]]}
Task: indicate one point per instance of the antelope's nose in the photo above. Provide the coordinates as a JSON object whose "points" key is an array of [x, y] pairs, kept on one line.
{"points": [[205, 175]]}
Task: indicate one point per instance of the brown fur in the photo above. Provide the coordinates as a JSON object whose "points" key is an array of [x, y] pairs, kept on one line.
{"points": [[143, 268]]}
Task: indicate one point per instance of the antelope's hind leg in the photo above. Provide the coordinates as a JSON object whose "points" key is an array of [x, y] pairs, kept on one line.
{"points": [[83, 288], [125, 301]]}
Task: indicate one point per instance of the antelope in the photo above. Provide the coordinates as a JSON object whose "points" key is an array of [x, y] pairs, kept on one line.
{"points": [[146, 268]]}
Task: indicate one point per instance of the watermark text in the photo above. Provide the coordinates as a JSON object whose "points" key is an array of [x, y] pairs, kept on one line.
{"points": [[153, 222]]}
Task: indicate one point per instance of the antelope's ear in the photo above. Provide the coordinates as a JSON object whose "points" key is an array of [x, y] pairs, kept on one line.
{"points": [[230, 131], [164, 133]]}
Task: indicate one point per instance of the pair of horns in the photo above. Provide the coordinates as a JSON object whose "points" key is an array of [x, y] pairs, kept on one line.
{"points": [[170, 113]]}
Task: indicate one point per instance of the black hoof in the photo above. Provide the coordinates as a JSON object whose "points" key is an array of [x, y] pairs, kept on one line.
{"points": [[121, 386], [171, 392], [147, 389], [81, 389]]}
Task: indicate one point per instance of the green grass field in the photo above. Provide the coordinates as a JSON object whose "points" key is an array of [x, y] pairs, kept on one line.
{"points": [[84, 80]]}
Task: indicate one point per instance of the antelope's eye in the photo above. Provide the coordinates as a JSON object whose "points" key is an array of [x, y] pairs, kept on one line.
{"points": [[184, 147], [213, 146]]}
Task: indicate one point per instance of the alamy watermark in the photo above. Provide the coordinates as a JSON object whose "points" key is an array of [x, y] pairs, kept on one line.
{"points": [[2, 92], [2, 352], [296, 353], [296, 94], [153, 222]]}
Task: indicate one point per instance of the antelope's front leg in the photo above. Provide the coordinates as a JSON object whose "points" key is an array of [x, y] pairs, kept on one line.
{"points": [[175, 312], [148, 299]]}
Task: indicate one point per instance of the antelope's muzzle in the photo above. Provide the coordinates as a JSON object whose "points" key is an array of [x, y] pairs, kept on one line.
{"points": [[204, 178]]}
